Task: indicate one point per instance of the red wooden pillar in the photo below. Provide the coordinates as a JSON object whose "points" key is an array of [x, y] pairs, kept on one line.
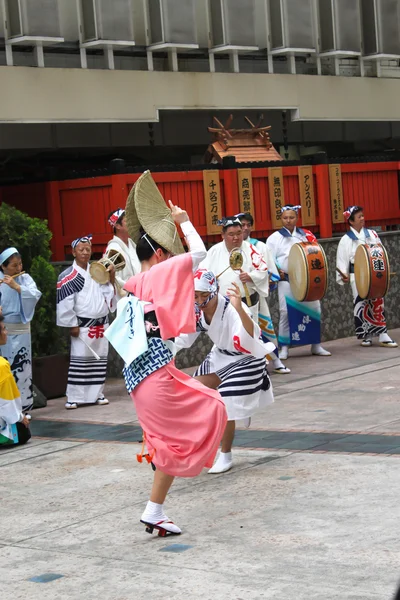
{"points": [[118, 183], [324, 200], [231, 192], [53, 205]]}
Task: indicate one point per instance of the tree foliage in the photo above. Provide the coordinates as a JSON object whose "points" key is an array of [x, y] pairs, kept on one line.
{"points": [[31, 236]]}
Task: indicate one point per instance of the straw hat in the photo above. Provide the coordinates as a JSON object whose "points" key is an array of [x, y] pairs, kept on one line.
{"points": [[146, 209]]}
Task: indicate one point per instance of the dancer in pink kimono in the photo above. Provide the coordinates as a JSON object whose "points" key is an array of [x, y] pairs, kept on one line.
{"points": [[183, 421]]}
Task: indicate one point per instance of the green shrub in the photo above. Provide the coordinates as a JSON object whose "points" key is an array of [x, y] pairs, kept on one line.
{"points": [[31, 237]]}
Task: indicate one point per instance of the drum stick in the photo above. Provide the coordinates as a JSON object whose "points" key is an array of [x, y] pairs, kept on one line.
{"points": [[97, 357], [14, 276], [342, 274]]}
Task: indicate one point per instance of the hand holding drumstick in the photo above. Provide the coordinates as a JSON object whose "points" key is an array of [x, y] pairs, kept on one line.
{"points": [[345, 278]]}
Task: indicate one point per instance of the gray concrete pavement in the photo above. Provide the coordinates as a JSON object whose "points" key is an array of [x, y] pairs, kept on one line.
{"points": [[304, 523]]}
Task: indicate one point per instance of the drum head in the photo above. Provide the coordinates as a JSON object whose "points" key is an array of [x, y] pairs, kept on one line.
{"points": [[99, 273], [371, 271], [298, 273], [362, 272]]}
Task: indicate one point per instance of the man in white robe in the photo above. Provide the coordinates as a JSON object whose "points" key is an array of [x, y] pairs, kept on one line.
{"points": [[254, 273], [122, 243], [83, 306], [299, 322], [369, 315]]}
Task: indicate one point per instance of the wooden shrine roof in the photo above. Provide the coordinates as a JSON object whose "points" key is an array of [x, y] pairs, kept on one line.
{"points": [[247, 145]]}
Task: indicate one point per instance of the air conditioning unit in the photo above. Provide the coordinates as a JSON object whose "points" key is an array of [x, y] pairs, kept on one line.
{"points": [[106, 21], [233, 23], [172, 23], [291, 26], [381, 28], [340, 27], [29, 20]]}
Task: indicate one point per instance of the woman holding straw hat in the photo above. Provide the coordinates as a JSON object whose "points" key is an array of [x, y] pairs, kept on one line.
{"points": [[183, 421]]}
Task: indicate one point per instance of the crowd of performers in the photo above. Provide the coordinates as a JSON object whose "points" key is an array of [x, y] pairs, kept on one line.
{"points": [[166, 298]]}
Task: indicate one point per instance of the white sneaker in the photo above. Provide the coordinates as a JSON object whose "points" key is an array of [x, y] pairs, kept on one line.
{"points": [[284, 352], [71, 405], [318, 350], [102, 401], [223, 463], [164, 528], [366, 343]]}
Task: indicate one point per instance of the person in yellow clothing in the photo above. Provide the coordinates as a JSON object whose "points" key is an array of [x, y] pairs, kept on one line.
{"points": [[14, 425]]}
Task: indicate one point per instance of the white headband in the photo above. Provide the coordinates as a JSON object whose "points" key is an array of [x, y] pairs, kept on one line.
{"points": [[295, 208]]}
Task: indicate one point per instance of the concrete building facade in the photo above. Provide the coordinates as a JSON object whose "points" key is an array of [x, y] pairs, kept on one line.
{"points": [[102, 75]]}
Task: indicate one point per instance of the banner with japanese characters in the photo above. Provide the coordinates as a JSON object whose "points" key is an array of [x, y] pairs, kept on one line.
{"points": [[307, 198], [245, 182], [276, 195], [212, 200], [335, 183]]}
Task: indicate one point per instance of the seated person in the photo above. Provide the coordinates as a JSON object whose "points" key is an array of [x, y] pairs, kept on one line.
{"points": [[14, 425]]}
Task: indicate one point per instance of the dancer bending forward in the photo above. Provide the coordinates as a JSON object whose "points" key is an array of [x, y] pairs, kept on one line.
{"points": [[183, 421], [237, 364]]}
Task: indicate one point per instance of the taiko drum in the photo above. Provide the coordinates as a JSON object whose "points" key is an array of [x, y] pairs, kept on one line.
{"points": [[371, 271], [308, 271]]}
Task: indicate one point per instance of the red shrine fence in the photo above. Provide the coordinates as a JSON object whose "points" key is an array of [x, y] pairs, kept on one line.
{"points": [[78, 206]]}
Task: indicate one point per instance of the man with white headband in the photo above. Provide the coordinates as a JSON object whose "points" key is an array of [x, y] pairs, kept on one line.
{"points": [[369, 315], [299, 322], [254, 273], [122, 243], [83, 306], [236, 365]]}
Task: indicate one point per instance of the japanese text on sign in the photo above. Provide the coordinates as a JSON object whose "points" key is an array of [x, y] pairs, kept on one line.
{"points": [[336, 190], [276, 195], [245, 183], [307, 199], [212, 201]]}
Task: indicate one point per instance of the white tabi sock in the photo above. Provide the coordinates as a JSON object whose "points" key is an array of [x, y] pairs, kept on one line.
{"points": [[383, 337], [224, 458], [278, 364], [154, 513]]}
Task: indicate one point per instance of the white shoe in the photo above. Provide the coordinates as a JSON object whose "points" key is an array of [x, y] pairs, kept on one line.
{"points": [[102, 401], [223, 463], [366, 343], [71, 405], [318, 350], [282, 370], [284, 352], [165, 527]]}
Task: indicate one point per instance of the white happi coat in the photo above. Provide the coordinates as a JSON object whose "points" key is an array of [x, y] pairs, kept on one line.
{"points": [[346, 252], [18, 311], [237, 358], [280, 246], [218, 259], [132, 264], [83, 303]]}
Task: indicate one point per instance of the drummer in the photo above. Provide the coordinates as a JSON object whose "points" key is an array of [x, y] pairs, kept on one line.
{"points": [[299, 322], [369, 314], [254, 273]]}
